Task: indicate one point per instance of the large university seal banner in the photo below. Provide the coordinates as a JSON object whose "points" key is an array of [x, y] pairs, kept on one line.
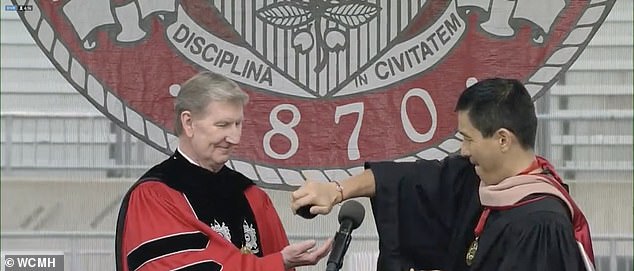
{"points": [[332, 83]]}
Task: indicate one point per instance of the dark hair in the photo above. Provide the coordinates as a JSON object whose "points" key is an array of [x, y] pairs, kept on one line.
{"points": [[498, 103], [202, 89]]}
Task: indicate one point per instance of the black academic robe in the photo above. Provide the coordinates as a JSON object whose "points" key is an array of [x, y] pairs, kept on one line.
{"points": [[426, 213]]}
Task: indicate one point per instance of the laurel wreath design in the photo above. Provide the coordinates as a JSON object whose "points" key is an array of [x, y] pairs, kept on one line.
{"points": [[352, 15], [274, 177], [300, 16], [286, 15]]}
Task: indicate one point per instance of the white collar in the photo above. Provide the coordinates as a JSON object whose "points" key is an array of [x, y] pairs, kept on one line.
{"points": [[187, 157]]}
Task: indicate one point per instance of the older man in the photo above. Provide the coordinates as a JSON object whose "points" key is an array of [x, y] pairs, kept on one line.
{"points": [[191, 212]]}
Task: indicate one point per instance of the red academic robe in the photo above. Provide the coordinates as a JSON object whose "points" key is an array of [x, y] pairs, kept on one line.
{"points": [[158, 229]]}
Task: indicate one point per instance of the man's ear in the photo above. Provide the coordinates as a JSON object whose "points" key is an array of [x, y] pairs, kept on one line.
{"points": [[505, 139], [187, 122]]}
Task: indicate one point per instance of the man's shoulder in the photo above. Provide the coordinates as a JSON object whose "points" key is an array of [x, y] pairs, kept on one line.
{"points": [[158, 171], [152, 186], [451, 162], [154, 179], [546, 210], [543, 203]]}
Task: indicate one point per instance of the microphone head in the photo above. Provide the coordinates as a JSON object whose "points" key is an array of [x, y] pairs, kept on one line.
{"points": [[352, 210], [304, 212]]}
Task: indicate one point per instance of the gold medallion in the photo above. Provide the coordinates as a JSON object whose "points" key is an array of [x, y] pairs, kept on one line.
{"points": [[473, 248], [245, 250]]}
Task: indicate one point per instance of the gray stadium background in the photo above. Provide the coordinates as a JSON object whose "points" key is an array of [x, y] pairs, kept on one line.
{"points": [[65, 167]]}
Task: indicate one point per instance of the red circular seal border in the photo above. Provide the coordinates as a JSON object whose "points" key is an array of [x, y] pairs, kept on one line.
{"points": [[270, 176]]}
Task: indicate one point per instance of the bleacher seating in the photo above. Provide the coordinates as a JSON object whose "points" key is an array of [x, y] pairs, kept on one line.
{"points": [[589, 116]]}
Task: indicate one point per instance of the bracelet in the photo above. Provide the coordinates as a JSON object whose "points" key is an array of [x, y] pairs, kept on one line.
{"points": [[340, 189]]}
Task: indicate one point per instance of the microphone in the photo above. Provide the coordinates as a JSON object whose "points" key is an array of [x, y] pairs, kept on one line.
{"points": [[304, 212], [351, 215]]}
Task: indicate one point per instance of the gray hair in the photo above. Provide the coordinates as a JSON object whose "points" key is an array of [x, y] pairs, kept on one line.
{"points": [[205, 87]]}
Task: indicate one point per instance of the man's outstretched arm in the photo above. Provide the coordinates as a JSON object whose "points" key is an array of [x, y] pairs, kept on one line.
{"points": [[323, 196]]}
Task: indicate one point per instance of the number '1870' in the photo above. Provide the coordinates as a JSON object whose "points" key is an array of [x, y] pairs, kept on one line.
{"points": [[287, 129]]}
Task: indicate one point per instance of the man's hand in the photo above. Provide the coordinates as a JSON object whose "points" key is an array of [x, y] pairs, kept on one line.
{"points": [[302, 253], [322, 196]]}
